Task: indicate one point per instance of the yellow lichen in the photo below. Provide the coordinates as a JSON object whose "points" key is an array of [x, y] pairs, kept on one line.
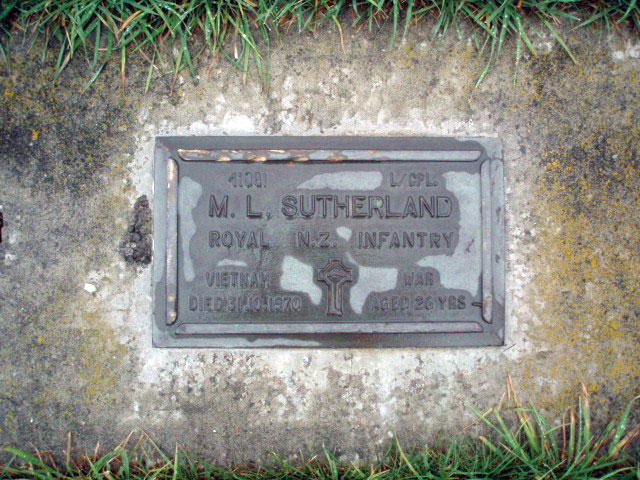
{"points": [[587, 282], [584, 293]]}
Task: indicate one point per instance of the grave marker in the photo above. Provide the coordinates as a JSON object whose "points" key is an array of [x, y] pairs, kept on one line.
{"points": [[328, 242]]}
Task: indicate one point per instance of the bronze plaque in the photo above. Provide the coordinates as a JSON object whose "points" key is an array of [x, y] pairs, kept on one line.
{"points": [[328, 242]]}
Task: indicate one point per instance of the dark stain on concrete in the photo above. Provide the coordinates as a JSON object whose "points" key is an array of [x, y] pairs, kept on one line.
{"points": [[59, 138], [138, 245]]}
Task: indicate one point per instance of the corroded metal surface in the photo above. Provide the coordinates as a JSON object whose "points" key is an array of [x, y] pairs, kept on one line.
{"points": [[328, 242]]}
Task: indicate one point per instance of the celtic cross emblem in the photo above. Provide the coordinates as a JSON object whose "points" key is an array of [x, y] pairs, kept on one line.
{"points": [[334, 274]]}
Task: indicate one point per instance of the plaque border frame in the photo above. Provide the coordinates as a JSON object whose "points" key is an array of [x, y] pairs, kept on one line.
{"points": [[171, 150]]}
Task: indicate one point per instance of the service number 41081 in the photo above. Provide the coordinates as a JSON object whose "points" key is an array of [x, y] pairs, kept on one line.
{"points": [[248, 179]]}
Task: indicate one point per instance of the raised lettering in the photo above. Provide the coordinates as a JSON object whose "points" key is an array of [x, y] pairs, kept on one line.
{"points": [[218, 210]]}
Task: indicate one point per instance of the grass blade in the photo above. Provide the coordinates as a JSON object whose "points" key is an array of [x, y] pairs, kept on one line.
{"points": [[48, 471], [622, 426], [557, 37]]}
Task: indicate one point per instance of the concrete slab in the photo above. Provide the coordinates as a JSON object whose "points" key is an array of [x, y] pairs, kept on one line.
{"points": [[75, 302]]}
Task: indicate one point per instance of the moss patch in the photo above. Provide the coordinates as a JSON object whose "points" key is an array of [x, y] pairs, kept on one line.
{"points": [[586, 289], [66, 206]]}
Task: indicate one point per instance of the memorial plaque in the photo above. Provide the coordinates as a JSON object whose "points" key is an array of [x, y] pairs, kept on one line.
{"points": [[328, 242]]}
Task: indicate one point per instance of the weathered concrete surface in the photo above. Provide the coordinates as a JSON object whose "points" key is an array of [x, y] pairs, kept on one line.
{"points": [[76, 317]]}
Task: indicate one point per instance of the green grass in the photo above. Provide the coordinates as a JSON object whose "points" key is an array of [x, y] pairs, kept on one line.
{"points": [[518, 443], [173, 35], [243, 31]]}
